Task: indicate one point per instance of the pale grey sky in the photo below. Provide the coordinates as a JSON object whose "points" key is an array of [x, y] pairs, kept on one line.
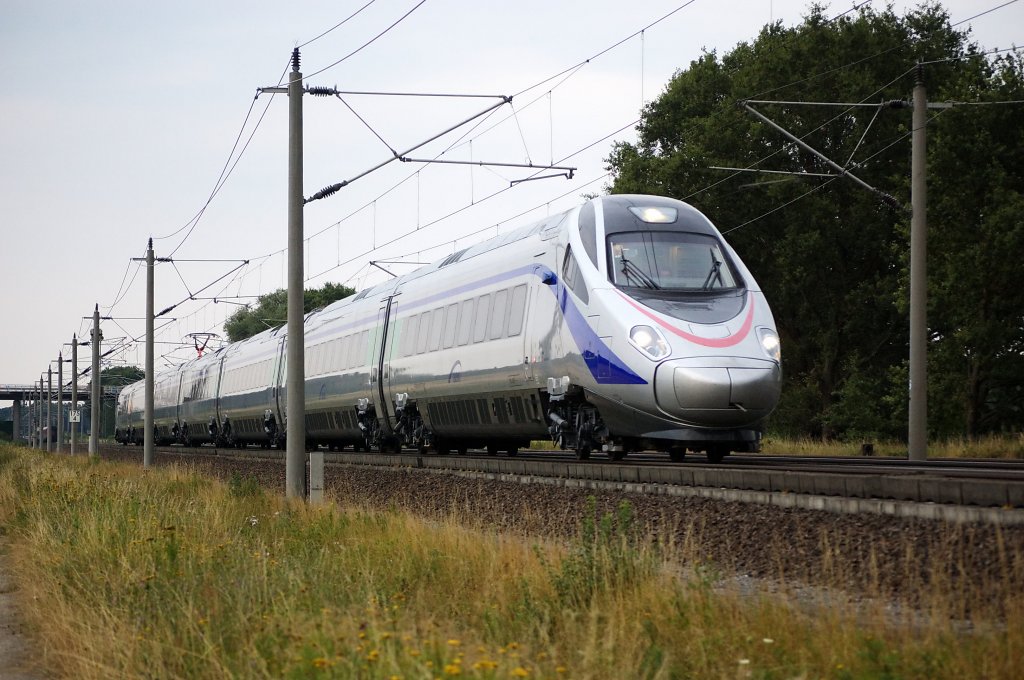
{"points": [[118, 118]]}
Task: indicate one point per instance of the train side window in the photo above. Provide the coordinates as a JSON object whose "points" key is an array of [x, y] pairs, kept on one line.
{"points": [[573, 278], [341, 353], [423, 333], [330, 349], [588, 231], [499, 314], [337, 357], [451, 318], [436, 326], [408, 346], [466, 321], [325, 355], [352, 350], [517, 310], [483, 306], [361, 346]]}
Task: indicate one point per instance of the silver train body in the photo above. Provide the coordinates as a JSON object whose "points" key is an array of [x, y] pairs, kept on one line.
{"points": [[627, 323]]}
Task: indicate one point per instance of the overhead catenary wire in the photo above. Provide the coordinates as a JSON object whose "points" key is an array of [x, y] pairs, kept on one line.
{"points": [[368, 42], [567, 73], [466, 207], [828, 181], [337, 25]]}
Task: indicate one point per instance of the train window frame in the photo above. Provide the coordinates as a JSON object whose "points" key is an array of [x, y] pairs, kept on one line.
{"points": [[465, 332], [408, 345], [481, 317], [423, 333], [517, 310], [588, 231], [436, 328], [499, 315], [451, 320], [361, 347], [312, 364], [573, 276], [341, 360], [329, 352]]}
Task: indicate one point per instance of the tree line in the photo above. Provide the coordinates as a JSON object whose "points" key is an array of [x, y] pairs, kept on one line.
{"points": [[832, 258]]}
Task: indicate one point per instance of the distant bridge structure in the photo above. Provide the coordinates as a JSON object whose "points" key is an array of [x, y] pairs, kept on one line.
{"points": [[10, 392]]}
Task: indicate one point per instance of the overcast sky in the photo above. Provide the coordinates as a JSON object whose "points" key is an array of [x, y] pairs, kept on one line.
{"points": [[119, 116]]}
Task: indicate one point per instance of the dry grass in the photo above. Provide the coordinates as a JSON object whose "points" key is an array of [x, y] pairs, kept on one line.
{"points": [[993, 446], [1009, 446], [165, 573]]}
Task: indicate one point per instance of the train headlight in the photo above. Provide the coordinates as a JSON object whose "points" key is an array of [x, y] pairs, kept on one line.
{"points": [[650, 341], [770, 343]]}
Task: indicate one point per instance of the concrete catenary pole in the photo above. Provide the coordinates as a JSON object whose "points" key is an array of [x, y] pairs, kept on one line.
{"points": [[147, 438], [16, 416], [295, 405], [94, 406], [39, 417], [60, 402], [74, 391], [917, 435], [49, 407]]}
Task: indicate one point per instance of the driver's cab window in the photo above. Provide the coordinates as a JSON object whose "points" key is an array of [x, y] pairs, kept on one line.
{"points": [[572, 277]]}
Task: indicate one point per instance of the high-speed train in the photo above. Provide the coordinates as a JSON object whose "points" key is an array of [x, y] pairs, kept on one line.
{"points": [[624, 324]]}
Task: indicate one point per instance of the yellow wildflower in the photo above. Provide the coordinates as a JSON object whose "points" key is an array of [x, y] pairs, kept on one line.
{"points": [[453, 669], [520, 672]]}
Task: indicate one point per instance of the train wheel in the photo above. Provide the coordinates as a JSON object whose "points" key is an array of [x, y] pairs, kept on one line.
{"points": [[513, 451], [462, 450], [677, 454], [716, 454], [617, 455], [583, 452], [492, 450]]}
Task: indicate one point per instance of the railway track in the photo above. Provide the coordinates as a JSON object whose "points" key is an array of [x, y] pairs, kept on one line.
{"points": [[956, 489]]}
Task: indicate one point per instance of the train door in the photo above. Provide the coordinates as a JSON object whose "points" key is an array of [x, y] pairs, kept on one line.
{"points": [[278, 396], [178, 415], [215, 392], [380, 365]]}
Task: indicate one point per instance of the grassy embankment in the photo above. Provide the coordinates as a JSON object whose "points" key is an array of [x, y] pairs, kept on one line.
{"points": [[167, 573], [1010, 446], [988, 446]]}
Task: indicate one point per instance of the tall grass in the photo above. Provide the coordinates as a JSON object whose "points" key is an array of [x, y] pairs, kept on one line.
{"points": [[165, 573], [992, 446], [1006, 446]]}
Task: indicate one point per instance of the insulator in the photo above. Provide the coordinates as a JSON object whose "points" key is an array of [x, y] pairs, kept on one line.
{"points": [[325, 192], [322, 91], [295, 59]]}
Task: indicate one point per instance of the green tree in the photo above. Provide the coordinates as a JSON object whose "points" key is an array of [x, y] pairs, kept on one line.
{"points": [[271, 310], [830, 255], [976, 241], [121, 375]]}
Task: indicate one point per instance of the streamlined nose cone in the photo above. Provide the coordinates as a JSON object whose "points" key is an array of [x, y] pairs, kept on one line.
{"points": [[718, 391]]}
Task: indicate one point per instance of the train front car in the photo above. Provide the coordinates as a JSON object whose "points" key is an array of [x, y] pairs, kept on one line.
{"points": [[677, 345]]}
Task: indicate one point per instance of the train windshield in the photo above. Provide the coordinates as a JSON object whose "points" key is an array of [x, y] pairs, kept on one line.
{"points": [[669, 261]]}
